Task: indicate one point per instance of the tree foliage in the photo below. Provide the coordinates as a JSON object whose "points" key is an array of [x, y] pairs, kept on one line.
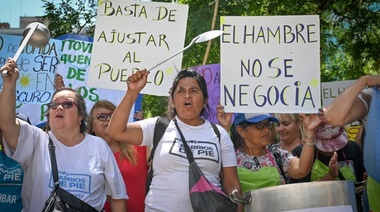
{"points": [[70, 16], [350, 31], [154, 105]]}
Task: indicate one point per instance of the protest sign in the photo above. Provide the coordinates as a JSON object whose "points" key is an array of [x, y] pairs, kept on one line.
{"points": [[270, 64], [73, 54], [330, 90], [132, 35], [76, 54], [37, 67]]}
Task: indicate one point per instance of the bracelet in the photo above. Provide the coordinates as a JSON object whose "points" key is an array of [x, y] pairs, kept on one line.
{"points": [[309, 143], [305, 136]]}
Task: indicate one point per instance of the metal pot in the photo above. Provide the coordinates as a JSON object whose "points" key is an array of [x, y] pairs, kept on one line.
{"points": [[320, 196], [40, 36]]}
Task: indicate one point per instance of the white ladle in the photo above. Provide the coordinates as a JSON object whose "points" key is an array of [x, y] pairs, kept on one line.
{"points": [[206, 36]]}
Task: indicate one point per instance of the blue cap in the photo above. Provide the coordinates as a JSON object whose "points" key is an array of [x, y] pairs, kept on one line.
{"points": [[253, 118]]}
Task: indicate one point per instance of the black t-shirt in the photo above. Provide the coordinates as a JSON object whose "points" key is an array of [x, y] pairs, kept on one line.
{"points": [[352, 151]]}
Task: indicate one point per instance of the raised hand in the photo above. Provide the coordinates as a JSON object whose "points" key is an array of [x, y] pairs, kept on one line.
{"points": [[58, 81], [311, 122], [372, 80], [13, 72], [333, 166], [138, 80], [224, 119]]}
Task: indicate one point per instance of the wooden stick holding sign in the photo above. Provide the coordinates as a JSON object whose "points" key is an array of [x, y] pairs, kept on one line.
{"points": [[212, 28]]}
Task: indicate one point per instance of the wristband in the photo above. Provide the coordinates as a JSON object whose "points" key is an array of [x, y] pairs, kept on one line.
{"points": [[307, 137], [309, 143]]}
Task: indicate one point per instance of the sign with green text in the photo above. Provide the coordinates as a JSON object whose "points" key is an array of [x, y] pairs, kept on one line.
{"points": [[76, 54]]}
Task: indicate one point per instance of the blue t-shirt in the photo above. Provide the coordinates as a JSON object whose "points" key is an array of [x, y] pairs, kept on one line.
{"points": [[11, 177]]}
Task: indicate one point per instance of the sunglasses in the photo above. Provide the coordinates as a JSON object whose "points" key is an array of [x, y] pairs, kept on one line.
{"points": [[262, 125], [65, 105], [103, 116]]}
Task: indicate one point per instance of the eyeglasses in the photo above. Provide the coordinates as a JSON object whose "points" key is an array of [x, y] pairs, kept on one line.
{"points": [[103, 116], [65, 105], [262, 125]]}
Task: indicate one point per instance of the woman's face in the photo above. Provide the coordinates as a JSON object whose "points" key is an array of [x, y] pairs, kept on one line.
{"points": [[188, 100], [101, 117], [64, 113], [255, 137], [287, 129]]}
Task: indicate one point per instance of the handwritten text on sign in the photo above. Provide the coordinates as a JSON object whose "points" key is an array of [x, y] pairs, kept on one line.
{"points": [[74, 68], [132, 35], [330, 90], [270, 64], [37, 67]]}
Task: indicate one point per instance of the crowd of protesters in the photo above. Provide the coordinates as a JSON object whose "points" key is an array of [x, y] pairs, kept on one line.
{"points": [[102, 158]]}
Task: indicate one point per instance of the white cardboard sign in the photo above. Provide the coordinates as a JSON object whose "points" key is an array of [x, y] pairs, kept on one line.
{"points": [[270, 64], [132, 35]]}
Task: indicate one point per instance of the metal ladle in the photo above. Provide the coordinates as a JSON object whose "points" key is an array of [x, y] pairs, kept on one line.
{"points": [[206, 36], [36, 35]]}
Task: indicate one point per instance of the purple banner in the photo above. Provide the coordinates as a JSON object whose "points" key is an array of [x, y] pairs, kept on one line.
{"points": [[211, 73]]}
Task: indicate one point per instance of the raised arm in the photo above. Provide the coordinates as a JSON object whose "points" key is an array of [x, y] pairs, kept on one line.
{"points": [[119, 128], [348, 107], [8, 122], [299, 168], [58, 82]]}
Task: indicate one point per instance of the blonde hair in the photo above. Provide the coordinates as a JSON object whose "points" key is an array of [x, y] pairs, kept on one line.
{"points": [[296, 117], [127, 151], [293, 116]]}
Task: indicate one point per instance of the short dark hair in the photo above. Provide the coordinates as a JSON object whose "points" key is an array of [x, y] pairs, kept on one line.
{"points": [[82, 110]]}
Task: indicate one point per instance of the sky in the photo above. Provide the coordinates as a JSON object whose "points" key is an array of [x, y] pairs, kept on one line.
{"points": [[11, 10]]}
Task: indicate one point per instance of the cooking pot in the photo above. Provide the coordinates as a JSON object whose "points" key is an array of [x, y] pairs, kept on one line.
{"points": [[313, 196]]}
